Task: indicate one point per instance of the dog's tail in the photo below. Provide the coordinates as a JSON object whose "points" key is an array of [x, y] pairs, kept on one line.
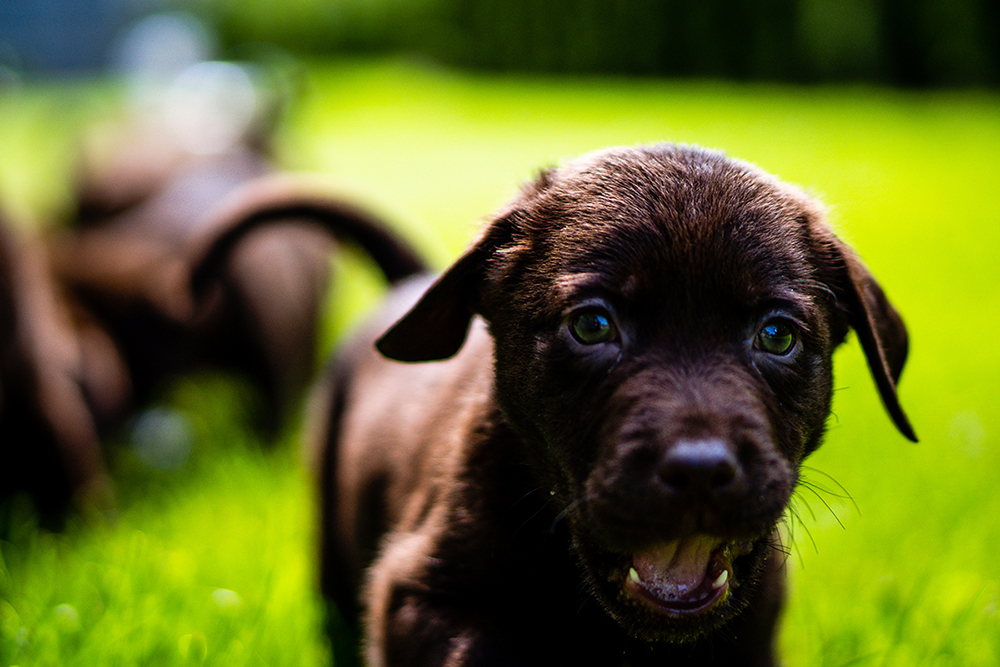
{"points": [[275, 200]]}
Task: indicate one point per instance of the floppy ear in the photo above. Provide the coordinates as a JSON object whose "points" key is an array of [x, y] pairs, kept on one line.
{"points": [[880, 330], [436, 326]]}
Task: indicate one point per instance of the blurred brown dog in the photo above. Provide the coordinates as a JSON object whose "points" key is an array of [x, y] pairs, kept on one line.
{"points": [[174, 263], [212, 262], [620, 379]]}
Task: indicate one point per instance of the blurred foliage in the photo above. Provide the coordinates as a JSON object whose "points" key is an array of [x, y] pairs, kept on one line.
{"points": [[905, 42], [324, 27]]}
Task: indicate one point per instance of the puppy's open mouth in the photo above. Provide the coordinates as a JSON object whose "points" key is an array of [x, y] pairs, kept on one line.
{"points": [[685, 576]]}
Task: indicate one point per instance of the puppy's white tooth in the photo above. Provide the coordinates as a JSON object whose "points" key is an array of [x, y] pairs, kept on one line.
{"points": [[633, 575], [721, 580]]}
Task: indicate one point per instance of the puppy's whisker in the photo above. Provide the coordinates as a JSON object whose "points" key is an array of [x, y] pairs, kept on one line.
{"points": [[562, 515], [792, 519], [842, 493], [530, 493], [545, 504], [828, 506], [819, 492], [799, 498], [777, 544], [586, 596], [801, 501]]}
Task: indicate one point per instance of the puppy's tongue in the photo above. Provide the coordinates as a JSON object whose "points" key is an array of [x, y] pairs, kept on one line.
{"points": [[680, 570]]}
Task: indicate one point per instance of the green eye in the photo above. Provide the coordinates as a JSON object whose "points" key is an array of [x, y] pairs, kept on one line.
{"points": [[776, 337], [592, 326]]}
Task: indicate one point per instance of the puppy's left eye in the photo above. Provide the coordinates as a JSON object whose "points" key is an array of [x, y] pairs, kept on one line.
{"points": [[776, 337], [592, 326]]}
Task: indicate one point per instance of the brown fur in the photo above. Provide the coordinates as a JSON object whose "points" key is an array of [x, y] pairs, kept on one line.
{"points": [[494, 501], [59, 374]]}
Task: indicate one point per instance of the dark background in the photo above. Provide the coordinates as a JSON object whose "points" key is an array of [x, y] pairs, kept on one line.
{"points": [[910, 43]]}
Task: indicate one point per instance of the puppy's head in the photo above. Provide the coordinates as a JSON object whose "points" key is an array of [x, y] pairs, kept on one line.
{"points": [[663, 320]]}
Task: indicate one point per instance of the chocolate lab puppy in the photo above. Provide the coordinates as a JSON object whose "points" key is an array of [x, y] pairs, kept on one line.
{"points": [[92, 324], [259, 244], [601, 421]]}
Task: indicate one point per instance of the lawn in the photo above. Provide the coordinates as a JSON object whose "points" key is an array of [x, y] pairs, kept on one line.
{"points": [[894, 544]]}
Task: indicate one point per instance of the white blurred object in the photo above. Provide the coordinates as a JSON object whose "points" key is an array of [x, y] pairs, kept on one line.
{"points": [[204, 105], [210, 106]]}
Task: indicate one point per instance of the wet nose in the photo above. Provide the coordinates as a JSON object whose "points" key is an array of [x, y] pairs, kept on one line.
{"points": [[699, 467]]}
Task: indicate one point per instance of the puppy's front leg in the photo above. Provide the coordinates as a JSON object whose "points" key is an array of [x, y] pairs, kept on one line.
{"points": [[423, 632], [412, 623]]}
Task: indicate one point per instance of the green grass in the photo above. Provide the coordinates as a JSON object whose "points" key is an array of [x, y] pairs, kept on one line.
{"points": [[214, 564], [209, 564]]}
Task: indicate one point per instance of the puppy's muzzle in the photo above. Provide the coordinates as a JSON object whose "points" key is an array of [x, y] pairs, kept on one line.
{"points": [[730, 483], [682, 499], [701, 479]]}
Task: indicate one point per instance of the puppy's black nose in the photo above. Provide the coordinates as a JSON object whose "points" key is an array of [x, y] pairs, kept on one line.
{"points": [[699, 467]]}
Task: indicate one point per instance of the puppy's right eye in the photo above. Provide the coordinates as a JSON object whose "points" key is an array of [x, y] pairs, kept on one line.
{"points": [[592, 326], [776, 337]]}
